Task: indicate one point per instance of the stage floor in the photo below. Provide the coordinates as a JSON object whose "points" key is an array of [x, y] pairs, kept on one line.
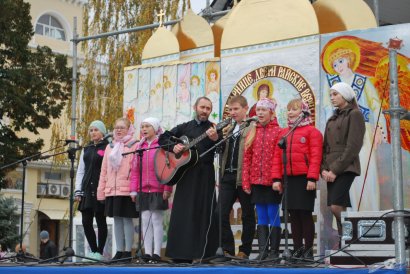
{"points": [[82, 268]]}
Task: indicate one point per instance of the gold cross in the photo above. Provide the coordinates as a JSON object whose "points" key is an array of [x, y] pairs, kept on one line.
{"points": [[161, 14]]}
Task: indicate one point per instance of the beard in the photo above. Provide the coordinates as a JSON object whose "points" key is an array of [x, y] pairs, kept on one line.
{"points": [[202, 117]]}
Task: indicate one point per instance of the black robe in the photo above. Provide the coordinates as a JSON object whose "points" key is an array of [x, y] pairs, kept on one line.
{"points": [[194, 201]]}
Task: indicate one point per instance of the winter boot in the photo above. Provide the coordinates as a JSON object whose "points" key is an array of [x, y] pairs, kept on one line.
{"points": [[126, 257], [117, 256], [297, 255], [274, 241], [263, 234], [308, 255]]}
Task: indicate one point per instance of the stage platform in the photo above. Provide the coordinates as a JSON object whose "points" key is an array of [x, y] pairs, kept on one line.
{"points": [[81, 269]]}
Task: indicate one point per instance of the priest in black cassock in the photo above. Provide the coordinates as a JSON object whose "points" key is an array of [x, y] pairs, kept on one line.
{"points": [[193, 211]]}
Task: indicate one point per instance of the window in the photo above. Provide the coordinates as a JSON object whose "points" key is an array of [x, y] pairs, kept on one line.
{"points": [[49, 26], [56, 176]]}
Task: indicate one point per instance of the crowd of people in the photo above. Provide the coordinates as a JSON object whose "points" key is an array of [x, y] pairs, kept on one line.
{"points": [[109, 184]]}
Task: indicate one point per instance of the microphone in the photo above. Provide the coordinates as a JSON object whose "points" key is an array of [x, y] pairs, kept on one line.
{"points": [[176, 139], [305, 113], [68, 141], [108, 136], [252, 119]]}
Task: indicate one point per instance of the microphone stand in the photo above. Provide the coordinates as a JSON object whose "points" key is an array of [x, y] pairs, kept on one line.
{"points": [[140, 153], [21, 255], [219, 254], [69, 251], [286, 255]]}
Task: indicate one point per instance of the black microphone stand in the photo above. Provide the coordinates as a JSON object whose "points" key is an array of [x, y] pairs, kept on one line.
{"points": [[286, 255], [140, 153], [69, 251], [219, 254], [21, 256]]}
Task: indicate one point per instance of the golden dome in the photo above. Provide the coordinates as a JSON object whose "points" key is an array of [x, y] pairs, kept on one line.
{"points": [[162, 42], [255, 21], [336, 15], [193, 31], [217, 29]]}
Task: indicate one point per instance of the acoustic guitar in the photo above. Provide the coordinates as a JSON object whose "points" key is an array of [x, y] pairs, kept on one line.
{"points": [[171, 167]]}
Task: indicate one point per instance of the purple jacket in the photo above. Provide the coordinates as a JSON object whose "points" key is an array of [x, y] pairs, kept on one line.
{"points": [[150, 182]]}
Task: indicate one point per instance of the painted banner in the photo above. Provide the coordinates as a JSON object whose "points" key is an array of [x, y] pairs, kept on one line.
{"points": [[279, 70], [304, 68], [169, 92], [361, 59]]}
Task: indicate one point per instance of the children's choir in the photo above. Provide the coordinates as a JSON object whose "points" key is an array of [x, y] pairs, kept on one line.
{"points": [[111, 185]]}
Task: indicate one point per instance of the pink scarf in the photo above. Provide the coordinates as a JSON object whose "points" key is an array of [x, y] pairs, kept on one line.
{"points": [[306, 121], [115, 157]]}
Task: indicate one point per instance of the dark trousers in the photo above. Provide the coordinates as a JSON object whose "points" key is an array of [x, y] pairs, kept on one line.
{"points": [[303, 228], [87, 220], [229, 192]]}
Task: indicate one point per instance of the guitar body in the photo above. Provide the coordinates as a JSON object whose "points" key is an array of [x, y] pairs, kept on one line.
{"points": [[170, 168]]}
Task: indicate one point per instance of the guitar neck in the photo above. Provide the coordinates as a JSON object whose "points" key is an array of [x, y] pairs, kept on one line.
{"points": [[197, 140]]}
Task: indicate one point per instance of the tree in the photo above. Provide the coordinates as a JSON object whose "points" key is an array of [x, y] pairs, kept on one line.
{"points": [[9, 219], [34, 84], [101, 95]]}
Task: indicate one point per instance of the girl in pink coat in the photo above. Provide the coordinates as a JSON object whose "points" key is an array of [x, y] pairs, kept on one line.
{"points": [[114, 186], [153, 200]]}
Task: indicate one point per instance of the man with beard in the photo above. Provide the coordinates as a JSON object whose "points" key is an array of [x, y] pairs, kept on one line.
{"points": [[192, 230]]}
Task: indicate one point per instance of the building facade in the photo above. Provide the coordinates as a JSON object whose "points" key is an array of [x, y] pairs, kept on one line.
{"points": [[47, 184]]}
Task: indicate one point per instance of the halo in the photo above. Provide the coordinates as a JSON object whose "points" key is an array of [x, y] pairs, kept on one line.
{"points": [[258, 84], [334, 44], [212, 67]]}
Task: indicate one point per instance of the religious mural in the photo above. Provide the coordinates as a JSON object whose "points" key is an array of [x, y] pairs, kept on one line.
{"points": [[169, 92], [360, 59], [304, 68], [281, 71]]}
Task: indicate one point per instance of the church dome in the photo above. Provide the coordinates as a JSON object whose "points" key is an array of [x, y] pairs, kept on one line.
{"points": [[336, 15], [218, 29], [162, 42], [193, 32], [254, 22]]}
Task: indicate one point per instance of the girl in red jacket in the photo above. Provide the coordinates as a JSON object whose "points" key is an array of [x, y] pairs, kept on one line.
{"points": [[304, 154], [154, 197], [260, 145]]}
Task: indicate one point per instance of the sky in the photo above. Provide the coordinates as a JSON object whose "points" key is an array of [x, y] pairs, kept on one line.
{"points": [[198, 5]]}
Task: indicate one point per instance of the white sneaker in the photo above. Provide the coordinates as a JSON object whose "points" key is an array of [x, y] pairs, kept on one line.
{"points": [[90, 256], [98, 256]]}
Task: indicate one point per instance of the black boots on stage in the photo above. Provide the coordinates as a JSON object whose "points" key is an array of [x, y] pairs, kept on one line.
{"points": [[274, 241], [268, 251], [302, 255], [263, 234]]}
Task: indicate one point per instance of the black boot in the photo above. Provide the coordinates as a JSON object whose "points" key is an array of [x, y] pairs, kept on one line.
{"points": [[297, 255], [263, 233], [274, 241], [308, 255], [126, 257], [117, 256]]}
